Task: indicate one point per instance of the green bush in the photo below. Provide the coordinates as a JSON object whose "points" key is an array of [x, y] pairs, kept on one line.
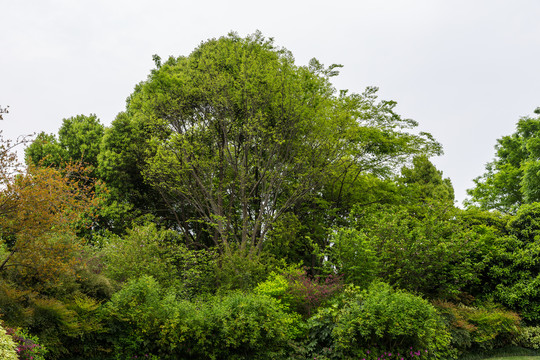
{"points": [[366, 324], [242, 270], [479, 329], [87, 342], [95, 285], [7, 346], [143, 319], [299, 292], [48, 318], [12, 304], [134, 317], [196, 271], [55, 325], [61, 325], [145, 250], [512, 276], [529, 337], [234, 326], [148, 250], [423, 249]]}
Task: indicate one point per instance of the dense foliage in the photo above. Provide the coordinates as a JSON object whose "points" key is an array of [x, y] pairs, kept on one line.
{"points": [[243, 208], [365, 324], [7, 346]]}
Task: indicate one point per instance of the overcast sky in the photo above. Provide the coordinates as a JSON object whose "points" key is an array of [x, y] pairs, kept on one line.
{"points": [[465, 70]]}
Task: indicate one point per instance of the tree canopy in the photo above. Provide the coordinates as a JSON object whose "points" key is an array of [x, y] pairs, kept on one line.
{"points": [[79, 140], [513, 177], [243, 134]]}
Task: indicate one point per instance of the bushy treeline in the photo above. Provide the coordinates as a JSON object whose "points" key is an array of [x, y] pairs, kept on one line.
{"points": [[242, 208]]}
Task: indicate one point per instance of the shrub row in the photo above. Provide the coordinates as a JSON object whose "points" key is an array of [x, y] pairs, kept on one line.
{"points": [[145, 320]]}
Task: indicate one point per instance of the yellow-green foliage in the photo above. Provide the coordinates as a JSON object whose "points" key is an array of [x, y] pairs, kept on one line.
{"points": [[474, 327], [12, 300], [277, 287], [529, 337], [54, 323], [234, 326], [86, 309], [7, 346], [59, 324]]}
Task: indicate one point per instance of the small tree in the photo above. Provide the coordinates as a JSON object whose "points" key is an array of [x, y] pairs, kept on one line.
{"points": [[39, 209]]}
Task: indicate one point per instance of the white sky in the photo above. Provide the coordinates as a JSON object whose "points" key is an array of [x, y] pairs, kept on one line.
{"points": [[465, 70]]}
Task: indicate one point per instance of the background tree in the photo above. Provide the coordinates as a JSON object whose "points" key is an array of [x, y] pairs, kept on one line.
{"points": [[79, 140], [512, 178], [83, 139], [417, 242], [45, 150], [122, 159], [511, 255], [422, 182]]}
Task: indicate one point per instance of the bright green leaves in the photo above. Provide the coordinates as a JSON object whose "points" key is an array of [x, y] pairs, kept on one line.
{"points": [[7, 346], [81, 137], [79, 140], [144, 318], [513, 177], [46, 150], [366, 324], [246, 135]]}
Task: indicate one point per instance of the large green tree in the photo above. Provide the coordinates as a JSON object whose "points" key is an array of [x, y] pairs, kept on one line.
{"points": [[242, 134]]}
